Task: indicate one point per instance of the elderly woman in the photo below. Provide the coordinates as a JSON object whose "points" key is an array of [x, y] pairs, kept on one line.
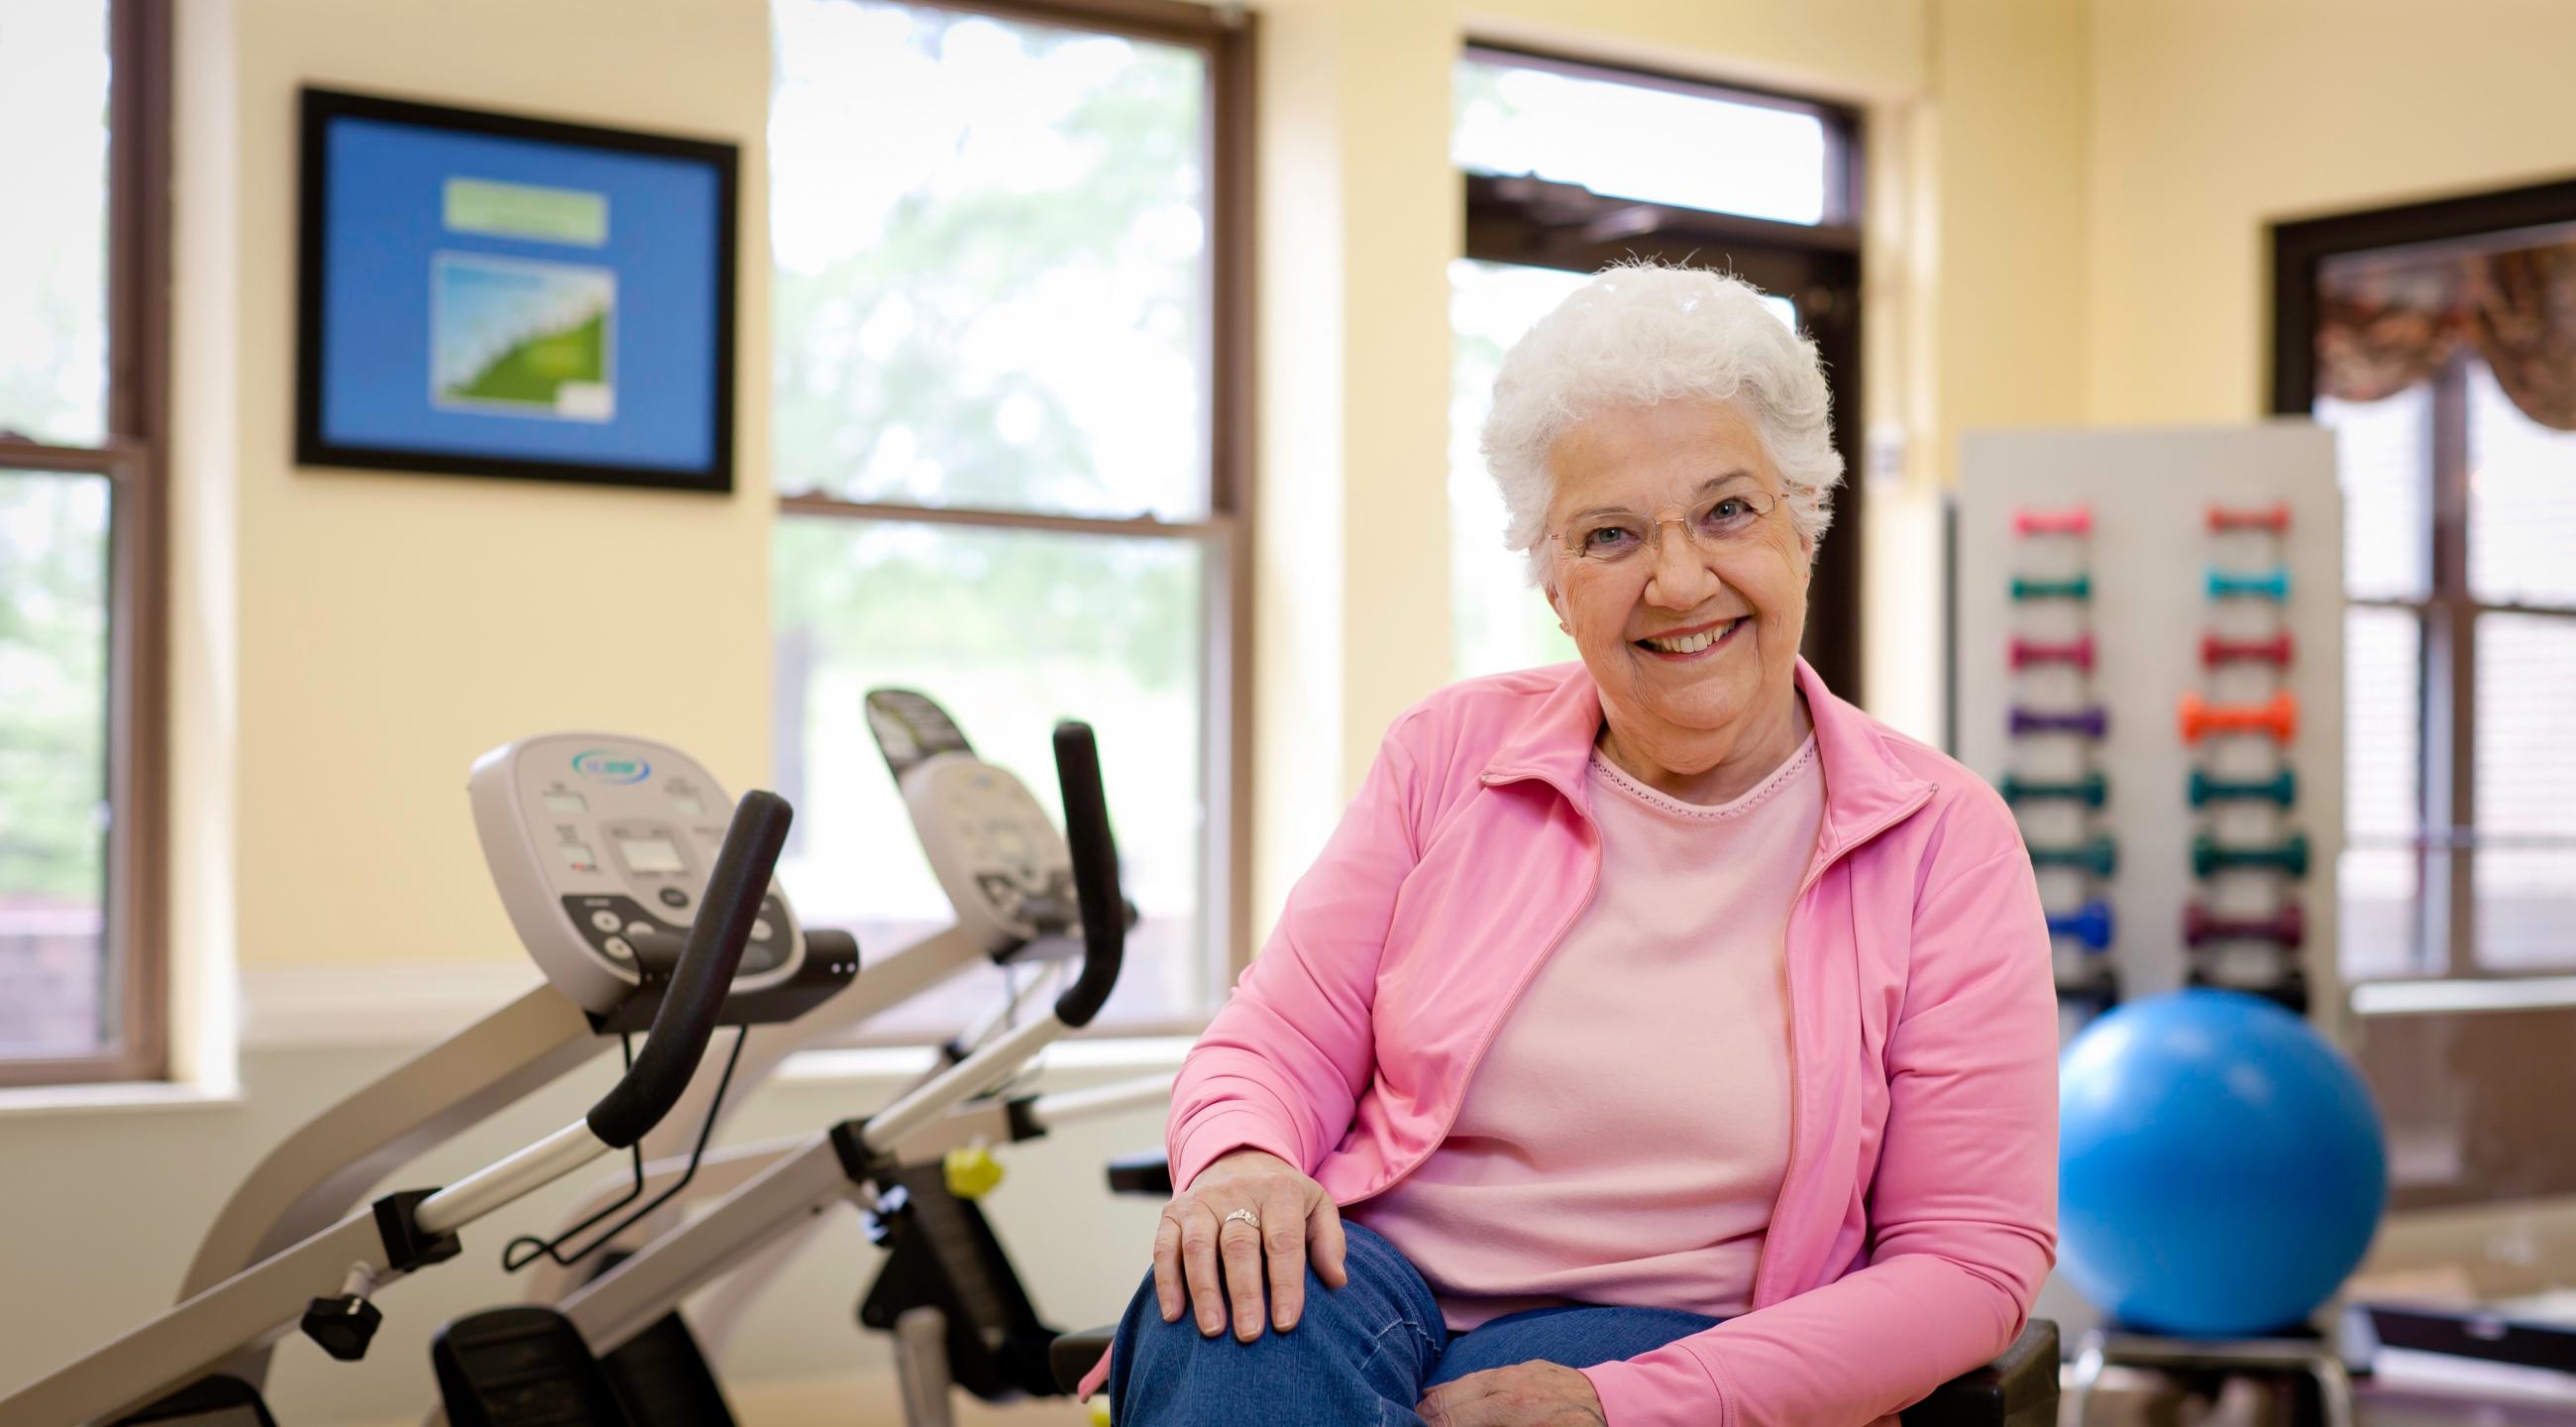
{"points": [[1659, 1039]]}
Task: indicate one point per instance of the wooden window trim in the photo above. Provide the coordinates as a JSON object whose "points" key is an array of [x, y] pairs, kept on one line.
{"points": [[135, 460], [1225, 34], [2446, 839]]}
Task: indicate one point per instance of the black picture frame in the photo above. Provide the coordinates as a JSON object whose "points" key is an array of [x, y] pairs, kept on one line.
{"points": [[320, 109]]}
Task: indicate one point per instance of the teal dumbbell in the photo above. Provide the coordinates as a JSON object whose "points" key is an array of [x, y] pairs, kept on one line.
{"points": [[2092, 790], [2077, 587], [2282, 788], [2272, 584], [2097, 856], [2290, 857]]}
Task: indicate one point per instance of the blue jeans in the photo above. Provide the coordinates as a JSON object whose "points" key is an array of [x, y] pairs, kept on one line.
{"points": [[1362, 1353]]}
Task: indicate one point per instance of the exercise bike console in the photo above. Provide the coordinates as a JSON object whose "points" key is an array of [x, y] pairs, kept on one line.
{"points": [[998, 856], [599, 845]]}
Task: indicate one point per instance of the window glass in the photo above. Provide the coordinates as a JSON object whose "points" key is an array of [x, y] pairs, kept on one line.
{"points": [[54, 973], [2522, 502], [2383, 726], [2526, 791], [53, 242], [1497, 621], [2380, 874], [2384, 455], [1009, 631], [991, 257], [1641, 140]]}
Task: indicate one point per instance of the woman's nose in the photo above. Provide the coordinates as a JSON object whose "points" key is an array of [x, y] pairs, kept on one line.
{"points": [[1680, 576]]}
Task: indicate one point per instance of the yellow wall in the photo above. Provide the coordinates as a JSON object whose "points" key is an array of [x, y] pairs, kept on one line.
{"points": [[379, 631], [2065, 223], [2212, 118], [1974, 265], [2066, 202], [348, 642]]}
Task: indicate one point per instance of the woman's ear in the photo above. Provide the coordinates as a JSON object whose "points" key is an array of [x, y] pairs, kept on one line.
{"points": [[1556, 601]]}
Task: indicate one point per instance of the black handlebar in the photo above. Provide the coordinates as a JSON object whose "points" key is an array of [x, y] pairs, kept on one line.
{"points": [[1095, 874], [696, 992]]}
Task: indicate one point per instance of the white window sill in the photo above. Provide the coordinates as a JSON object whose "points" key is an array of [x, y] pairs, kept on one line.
{"points": [[130, 1095], [2424, 998]]}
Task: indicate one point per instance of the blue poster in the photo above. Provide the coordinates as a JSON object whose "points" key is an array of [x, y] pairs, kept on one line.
{"points": [[515, 303]]}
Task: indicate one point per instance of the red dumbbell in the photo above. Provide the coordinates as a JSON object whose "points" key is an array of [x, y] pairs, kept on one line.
{"points": [[2277, 716], [2075, 521], [2274, 518], [2285, 928], [2275, 650], [2079, 653]]}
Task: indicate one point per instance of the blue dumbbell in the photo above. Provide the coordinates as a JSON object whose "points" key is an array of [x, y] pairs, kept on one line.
{"points": [[2272, 584], [2089, 924], [2092, 789], [2282, 788], [2097, 856]]}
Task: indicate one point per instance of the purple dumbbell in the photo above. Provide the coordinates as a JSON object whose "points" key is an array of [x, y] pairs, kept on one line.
{"points": [[2091, 722]]}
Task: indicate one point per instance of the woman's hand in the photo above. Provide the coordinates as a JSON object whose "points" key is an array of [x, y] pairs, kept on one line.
{"points": [[1532, 1394], [1249, 1207]]}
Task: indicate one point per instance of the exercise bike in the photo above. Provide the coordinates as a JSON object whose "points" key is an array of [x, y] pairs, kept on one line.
{"points": [[492, 1366], [739, 959]]}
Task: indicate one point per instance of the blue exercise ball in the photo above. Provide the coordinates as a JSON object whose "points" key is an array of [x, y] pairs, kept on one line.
{"points": [[2220, 1166]]}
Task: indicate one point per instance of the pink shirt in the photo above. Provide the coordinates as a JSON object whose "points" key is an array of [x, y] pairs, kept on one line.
{"points": [[1623, 1140]]}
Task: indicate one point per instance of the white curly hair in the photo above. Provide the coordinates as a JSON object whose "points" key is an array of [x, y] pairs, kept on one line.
{"points": [[1641, 333]]}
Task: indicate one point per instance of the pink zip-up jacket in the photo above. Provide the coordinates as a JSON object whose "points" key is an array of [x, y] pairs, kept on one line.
{"points": [[1918, 1213]]}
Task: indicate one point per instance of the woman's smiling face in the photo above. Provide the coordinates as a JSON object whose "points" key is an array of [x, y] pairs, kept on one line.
{"points": [[1693, 644]]}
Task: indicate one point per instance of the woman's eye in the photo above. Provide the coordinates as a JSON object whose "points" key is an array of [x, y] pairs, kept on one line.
{"points": [[1606, 537], [1727, 511]]}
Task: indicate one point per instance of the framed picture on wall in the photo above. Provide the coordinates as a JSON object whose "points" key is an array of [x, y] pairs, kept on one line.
{"points": [[491, 295]]}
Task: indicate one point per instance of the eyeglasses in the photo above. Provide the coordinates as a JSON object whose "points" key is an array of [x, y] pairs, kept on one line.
{"points": [[1717, 524]]}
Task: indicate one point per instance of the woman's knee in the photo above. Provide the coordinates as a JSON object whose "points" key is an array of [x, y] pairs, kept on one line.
{"points": [[1380, 1287]]}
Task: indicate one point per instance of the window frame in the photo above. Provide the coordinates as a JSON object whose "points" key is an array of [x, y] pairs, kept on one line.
{"points": [[1531, 222], [2446, 839], [134, 460], [1225, 35]]}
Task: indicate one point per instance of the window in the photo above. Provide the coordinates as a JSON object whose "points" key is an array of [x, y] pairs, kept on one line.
{"points": [[1571, 166], [2424, 337], [83, 314], [1009, 324]]}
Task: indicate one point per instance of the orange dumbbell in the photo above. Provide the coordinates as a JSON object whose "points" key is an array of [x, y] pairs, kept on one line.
{"points": [[2277, 716]]}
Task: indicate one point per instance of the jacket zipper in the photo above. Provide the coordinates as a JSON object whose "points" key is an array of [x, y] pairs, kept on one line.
{"points": [[1789, 1172]]}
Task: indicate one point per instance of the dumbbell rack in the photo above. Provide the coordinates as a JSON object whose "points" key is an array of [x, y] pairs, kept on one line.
{"points": [[2128, 513], [2055, 721]]}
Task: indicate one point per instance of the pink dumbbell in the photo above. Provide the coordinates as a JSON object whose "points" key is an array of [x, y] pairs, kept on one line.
{"points": [[2079, 653], [2275, 650], [2285, 928], [2274, 518], [2075, 521]]}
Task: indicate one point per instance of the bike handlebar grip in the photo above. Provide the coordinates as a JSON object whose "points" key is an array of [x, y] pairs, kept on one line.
{"points": [[696, 993], [1095, 873]]}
